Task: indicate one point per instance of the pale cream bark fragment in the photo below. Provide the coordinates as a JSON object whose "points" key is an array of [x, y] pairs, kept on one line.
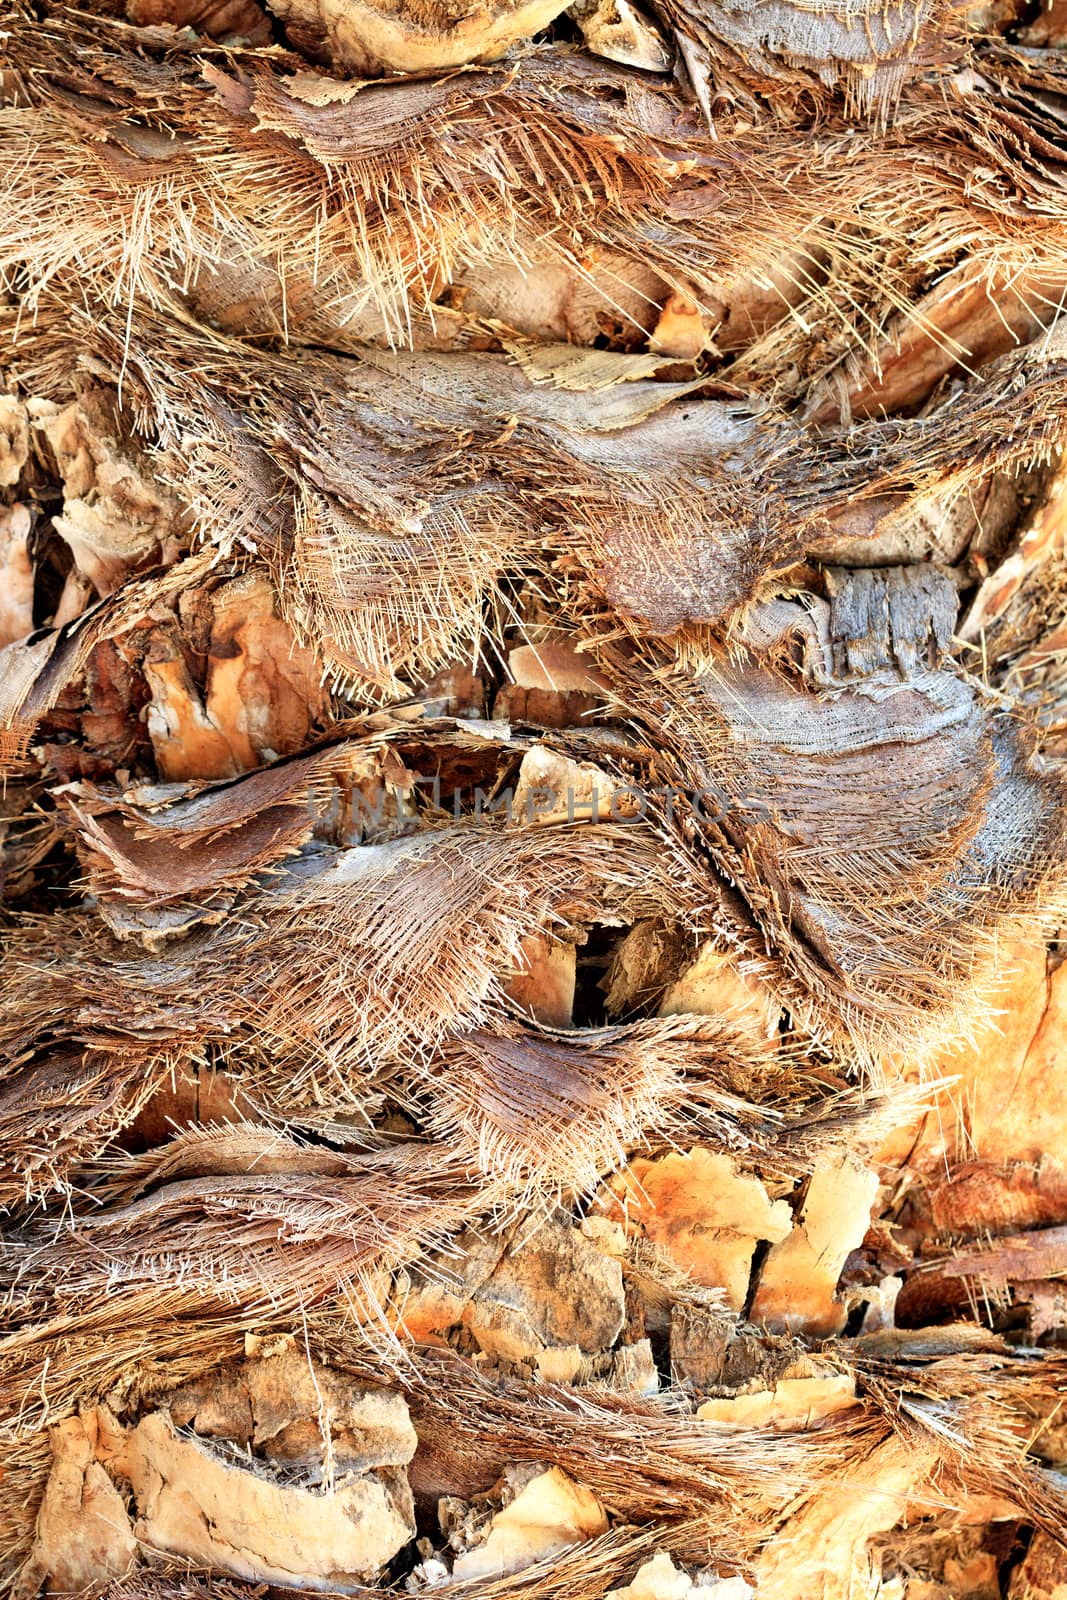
{"points": [[799, 1278], [548, 1515]]}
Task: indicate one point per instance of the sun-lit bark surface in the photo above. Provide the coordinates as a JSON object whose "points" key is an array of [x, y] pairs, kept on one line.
{"points": [[533, 601]]}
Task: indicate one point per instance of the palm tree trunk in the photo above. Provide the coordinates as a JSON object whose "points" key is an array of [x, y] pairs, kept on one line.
{"points": [[533, 601]]}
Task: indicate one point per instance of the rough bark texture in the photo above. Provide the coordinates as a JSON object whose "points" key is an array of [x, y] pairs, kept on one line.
{"points": [[533, 609]]}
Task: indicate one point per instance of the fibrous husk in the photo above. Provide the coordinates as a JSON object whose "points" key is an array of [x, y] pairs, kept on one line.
{"points": [[670, 418], [870, 243], [788, 792]]}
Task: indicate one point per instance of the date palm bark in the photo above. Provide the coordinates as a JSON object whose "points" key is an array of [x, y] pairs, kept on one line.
{"points": [[533, 601]]}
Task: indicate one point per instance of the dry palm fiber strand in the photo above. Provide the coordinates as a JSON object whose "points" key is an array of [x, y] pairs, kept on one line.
{"points": [[436, 917], [807, 813], [548, 1111], [874, 221], [242, 1213], [386, 549], [263, 1242], [275, 1096]]}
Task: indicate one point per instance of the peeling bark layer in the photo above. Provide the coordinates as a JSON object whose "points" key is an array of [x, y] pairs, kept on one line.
{"points": [[532, 615]]}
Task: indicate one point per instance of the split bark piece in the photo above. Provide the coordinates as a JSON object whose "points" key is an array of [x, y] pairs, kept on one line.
{"points": [[605, 296], [967, 320], [660, 1579], [553, 788], [682, 330], [36, 672], [227, 20], [715, 986], [1042, 1573], [429, 1299], [622, 32], [16, 573], [645, 963], [938, 526], [195, 1504], [545, 1512], [547, 1298], [189, 1097], [1008, 1104], [551, 685], [704, 1214], [554, 1297], [821, 1552], [901, 618], [1043, 539], [297, 1413], [14, 440], [799, 1277], [543, 984], [262, 694], [116, 512], [806, 1394], [84, 1536]]}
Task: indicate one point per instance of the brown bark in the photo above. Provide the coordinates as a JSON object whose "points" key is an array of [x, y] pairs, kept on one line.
{"points": [[532, 602]]}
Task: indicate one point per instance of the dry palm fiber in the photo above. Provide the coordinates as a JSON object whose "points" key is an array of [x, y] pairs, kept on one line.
{"points": [[553, 1111], [915, 455], [157, 851], [960, 1399], [262, 197], [386, 548], [766, 590], [437, 916], [627, 1449], [585, 1572], [860, 968], [590, 1096], [802, 814]]}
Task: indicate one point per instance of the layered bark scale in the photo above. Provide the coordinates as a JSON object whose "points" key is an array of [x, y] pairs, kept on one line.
{"points": [[532, 840]]}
